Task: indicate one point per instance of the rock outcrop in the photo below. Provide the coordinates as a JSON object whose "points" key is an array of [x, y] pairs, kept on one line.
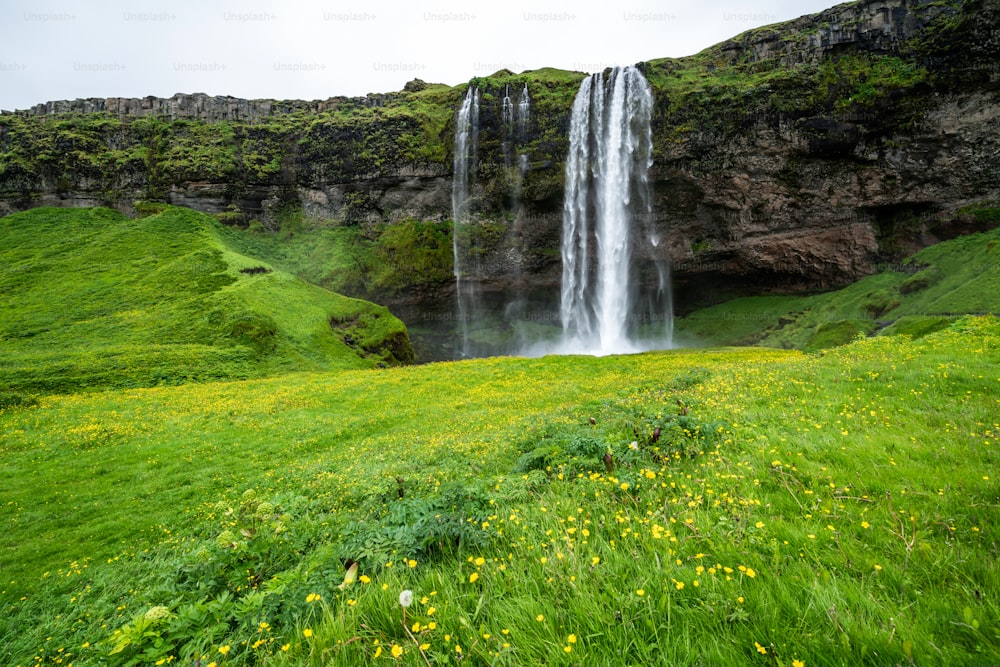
{"points": [[199, 106]]}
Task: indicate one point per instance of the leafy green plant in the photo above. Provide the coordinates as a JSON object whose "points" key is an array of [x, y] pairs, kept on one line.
{"points": [[426, 527]]}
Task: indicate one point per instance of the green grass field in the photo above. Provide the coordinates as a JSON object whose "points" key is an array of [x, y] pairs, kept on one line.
{"points": [[91, 299], [270, 501], [819, 509]]}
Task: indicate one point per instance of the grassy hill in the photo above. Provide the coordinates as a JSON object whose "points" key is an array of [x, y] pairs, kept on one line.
{"points": [[923, 294], [756, 507], [93, 299]]}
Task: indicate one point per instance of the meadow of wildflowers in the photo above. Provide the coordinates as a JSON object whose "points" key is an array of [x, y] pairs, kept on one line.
{"points": [[747, 506]]}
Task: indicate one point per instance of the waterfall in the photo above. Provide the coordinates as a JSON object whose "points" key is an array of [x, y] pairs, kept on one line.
{"points": [[606, 190], [523, 111], [507, 119], [507, 111], [466, 149]]}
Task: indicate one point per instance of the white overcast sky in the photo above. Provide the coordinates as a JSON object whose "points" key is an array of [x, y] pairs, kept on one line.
{"points": [[315, 49]]}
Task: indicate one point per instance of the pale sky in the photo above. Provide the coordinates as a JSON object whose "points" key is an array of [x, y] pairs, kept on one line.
{"points": [[315, 49]]}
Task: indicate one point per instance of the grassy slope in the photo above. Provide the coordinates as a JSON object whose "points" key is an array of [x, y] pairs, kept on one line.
{"points": [[952, 278], [92, 299], [406, 254], [851, 495]]}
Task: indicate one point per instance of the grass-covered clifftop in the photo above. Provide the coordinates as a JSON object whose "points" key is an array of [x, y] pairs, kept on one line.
{"points": [[129, 158], [92, 299], [812, 67]]}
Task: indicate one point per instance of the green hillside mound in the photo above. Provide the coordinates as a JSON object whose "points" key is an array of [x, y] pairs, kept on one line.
{"points": [[92, 299], [925, 293]]}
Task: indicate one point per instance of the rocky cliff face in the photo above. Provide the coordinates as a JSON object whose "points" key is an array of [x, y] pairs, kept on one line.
{"points": [[199, 106], [794, 157]]}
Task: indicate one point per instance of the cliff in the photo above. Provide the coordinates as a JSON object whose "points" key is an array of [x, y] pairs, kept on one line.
{"points": [[793, 157]]}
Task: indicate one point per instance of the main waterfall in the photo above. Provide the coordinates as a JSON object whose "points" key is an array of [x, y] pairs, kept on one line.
{"points": [[466, 151], [607, 192]]}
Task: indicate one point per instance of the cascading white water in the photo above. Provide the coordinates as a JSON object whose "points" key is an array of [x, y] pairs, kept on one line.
{"points": [[507, 116], [523, 110], [606, 189], [575, 309], [507, 107], [466, 149]]}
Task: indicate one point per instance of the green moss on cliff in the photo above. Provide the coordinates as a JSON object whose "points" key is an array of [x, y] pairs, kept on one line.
{"points": [[379, 261], [411, 254], [704, 95]]}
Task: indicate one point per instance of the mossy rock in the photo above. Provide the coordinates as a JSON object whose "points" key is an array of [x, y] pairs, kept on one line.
{"points": [[376, 334]]}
